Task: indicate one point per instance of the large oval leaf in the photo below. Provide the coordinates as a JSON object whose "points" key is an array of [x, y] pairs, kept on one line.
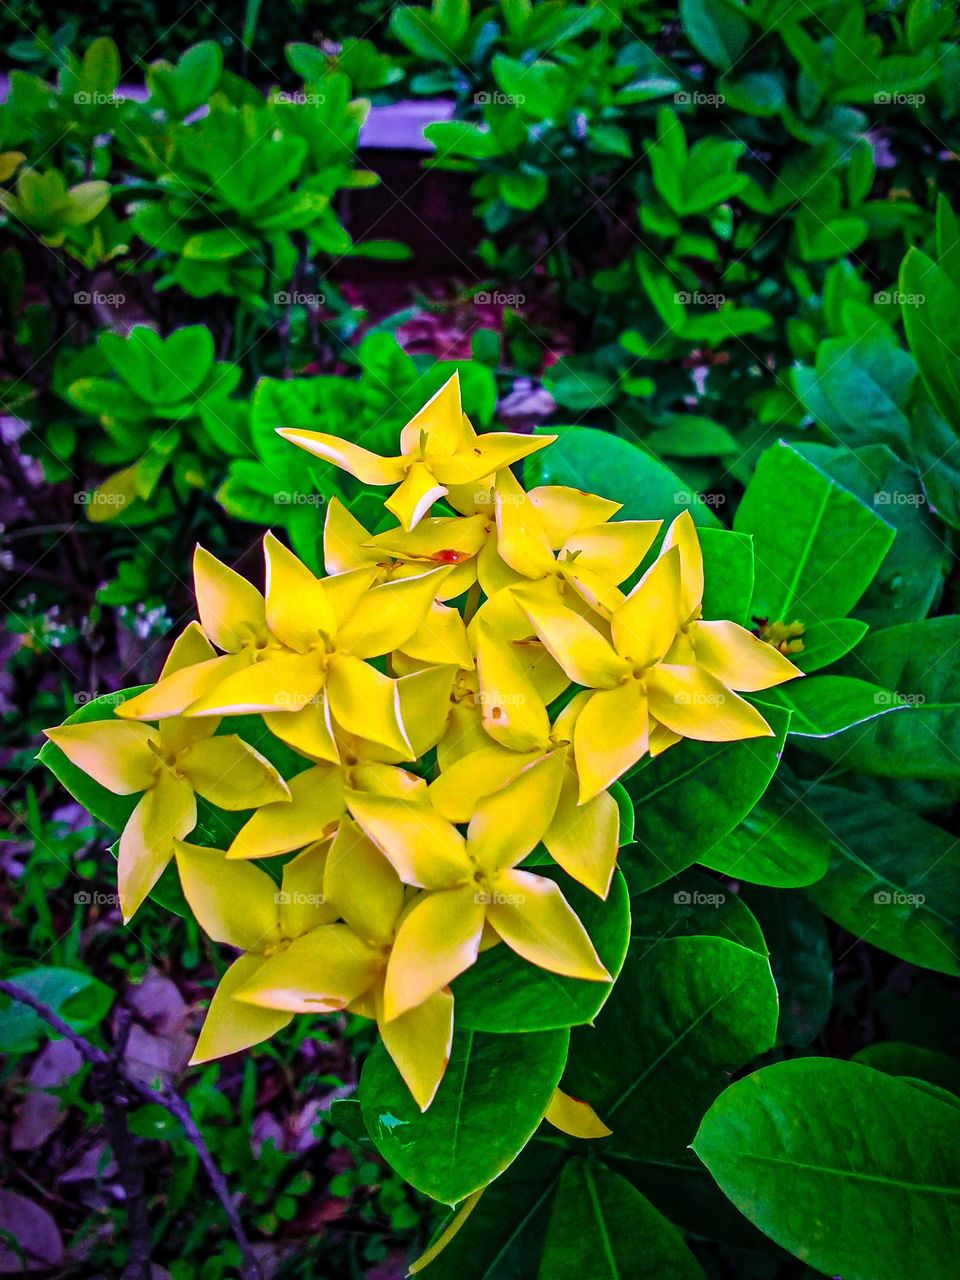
{"points": [[493, 1096], [779, 843], [856, 1172]]}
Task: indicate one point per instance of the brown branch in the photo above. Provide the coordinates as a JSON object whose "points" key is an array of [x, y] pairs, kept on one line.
{"points": [[114, 1086]]}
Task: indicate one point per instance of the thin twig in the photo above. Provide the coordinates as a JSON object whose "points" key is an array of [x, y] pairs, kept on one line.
{"points": [[112, 1073]]}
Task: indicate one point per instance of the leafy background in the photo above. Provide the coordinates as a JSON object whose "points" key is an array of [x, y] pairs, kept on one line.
{"points": [[714, 246]]}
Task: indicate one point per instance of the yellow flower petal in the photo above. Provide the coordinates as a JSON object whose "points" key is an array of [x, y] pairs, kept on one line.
{"points": [[425, 705], [463, 784], [644, 626], [320, 972], [610, 736], [522, 540], [486, 455], [682, 534], [386, 780], [575, 1117], [345, 591], [512, 711], [288, 682], [613, 551], [172, 695], [661, 738], [190, 647], [298, 611], [439, 423], [316, 804], [439, 539], [231, 609], [438, 939], [493, 572], [390, 614], [231, 1026], [465, 732], [464, 1211], [233, 902], [230, 774], [343, 541], [696, 705], [509, 823], [533, 918], [419, 1043], [361, 884], [302, 901], [176, 733], [584, 838], [564, 511], [579, 648], [738, 658], [309, 731], [414, 497], [369, 468], [112, 752], [365, 702], [165, 813], [425, 849], [441, 638]]}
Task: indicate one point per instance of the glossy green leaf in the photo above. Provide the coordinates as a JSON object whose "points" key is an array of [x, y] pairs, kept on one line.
{"points": [[817, 546], [602, 1227], [913, 1060], [492, 1098], [855, 1171], [79, 998], [693, 904], [780, 842], [800, 958], [893, 878], [604, 463]]}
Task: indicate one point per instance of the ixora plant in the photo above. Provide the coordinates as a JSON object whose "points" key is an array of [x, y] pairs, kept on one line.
{"points": [[401, 789]]}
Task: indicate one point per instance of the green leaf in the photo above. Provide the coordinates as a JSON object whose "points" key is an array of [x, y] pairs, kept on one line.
{"points": [[893, 878], [683, 1014], [817, 546], [694, 904], [801, 961], [827, 640], [602, 1227], [933, 329], [693, 795], [505, 993], [79, 998], [727, 574], [850, 1169], [920, 663], [599, 462], [716, 29], [916, 1061], [779, 843], [492, 1098], [823, 706]]}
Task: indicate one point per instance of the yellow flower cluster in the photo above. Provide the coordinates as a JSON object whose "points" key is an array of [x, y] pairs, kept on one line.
{"points": [[455, 634]]}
